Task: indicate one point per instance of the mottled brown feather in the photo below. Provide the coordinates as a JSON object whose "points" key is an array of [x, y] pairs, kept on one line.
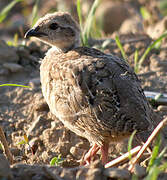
{"points": [[96, 95]]}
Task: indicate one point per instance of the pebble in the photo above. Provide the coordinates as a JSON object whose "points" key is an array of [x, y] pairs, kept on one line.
{"points": [[95, 173], [13, 67], [162, 108], [133, 24], [32, 46], [76, 151], [66, 174], [42, 106], [7, 53], [23, 52], [139, 171], [117, 173], [34, 82], [3, 71], [45, 156], [35, 126], [5, 171]]}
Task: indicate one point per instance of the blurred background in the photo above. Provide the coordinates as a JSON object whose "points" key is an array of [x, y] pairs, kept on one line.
{"points": [[125, 16]]}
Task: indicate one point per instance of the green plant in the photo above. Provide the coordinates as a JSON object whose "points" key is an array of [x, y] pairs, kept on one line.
{"points": [[163, 7], [145, 14], [14, 42], [86, 30], [118, 42], [155, 152], [56, 161], [1, 147], [138, 62], [6, 10], [17, 85], [155, 167], [136, 58], [130, 143], [35, 12], [24, 141], [149, 48]]}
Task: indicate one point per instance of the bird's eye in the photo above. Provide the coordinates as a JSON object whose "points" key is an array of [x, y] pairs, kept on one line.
{"points": [[53, 26]]}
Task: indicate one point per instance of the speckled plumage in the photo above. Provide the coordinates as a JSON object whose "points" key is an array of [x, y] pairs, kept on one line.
{"points": [[95, 95]]}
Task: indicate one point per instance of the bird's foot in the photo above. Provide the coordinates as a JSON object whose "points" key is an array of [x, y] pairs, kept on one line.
{"points": [[88, 156]]}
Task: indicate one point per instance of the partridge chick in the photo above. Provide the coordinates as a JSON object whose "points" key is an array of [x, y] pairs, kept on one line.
{"points": [[95, 95]]}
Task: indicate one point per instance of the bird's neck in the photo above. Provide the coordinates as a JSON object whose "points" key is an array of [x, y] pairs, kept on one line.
{"points": [[69, 45]]}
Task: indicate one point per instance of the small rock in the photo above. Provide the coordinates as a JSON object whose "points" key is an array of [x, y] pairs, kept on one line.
{"points": [[95, 171], [117, 173], [155, 62], [42, 106], [162, 108], [81, 174], [34, 82], [5, 171], [3, 71], [35, 126], [157, 29], [63, 148], [139, 171], [45, 156], [111, 15], [76, 151], [13, 67], [24, 62], [7, 53], [32, 45], [22, 52], [66, 174], [133, 24]]}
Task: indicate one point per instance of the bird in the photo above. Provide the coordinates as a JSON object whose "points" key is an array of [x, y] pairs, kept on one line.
{"points": [[96, 95]]}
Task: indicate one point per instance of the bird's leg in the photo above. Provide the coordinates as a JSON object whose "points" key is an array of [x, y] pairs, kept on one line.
{"points": [[92, 151], [104, 153]]}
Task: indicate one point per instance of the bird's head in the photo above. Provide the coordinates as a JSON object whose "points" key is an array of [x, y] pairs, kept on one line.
{"points": [[58, 29]]}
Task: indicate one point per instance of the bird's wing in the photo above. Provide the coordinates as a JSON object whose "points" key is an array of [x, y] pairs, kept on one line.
{"points": [[94, 91]]}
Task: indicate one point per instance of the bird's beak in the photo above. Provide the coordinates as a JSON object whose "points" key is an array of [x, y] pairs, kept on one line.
{"points": [[34, 32]]}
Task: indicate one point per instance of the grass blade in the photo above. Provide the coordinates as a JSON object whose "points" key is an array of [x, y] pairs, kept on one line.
{"points": [[56, 161], [80, 19], [155, 170], [121, 48], [18, 85], [15, 39], [79, 13], [150, 47], [163, 167], [130, 143], [155, 152], [89, 22], [136, 58], [35, 12], [6, 10], [153, 173], [145, 13]]}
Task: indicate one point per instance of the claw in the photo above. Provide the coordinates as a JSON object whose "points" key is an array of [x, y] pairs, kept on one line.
{"points": [[92, 152]]}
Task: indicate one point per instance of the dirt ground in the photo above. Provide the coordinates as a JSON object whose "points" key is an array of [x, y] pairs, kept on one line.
{"points": [[23, 111]]}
